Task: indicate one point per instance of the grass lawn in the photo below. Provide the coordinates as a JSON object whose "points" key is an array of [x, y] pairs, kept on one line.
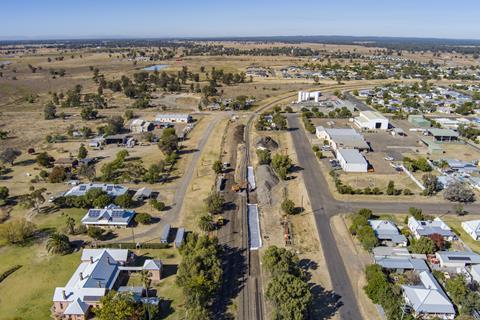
{"points": [[167, 289], [27, 293], [456, 225]]}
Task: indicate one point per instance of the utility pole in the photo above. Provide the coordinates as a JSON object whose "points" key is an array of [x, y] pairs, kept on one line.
{"points": [[133, 236]]}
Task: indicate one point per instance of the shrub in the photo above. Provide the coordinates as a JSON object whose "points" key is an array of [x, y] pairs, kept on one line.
{"points": [[159, 205], [57, 175], [288, 206], [143, 218], [8, 272], [124, 201]]}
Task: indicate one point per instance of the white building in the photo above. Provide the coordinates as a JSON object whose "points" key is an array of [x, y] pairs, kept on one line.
{"points": [[351, 160], [113, 190], [472, 227], [427, 228], [140, 126], [173, 118], [110, 216], [94, 277], [307, 96], [428, 300], [371, 120], [475, 272]]}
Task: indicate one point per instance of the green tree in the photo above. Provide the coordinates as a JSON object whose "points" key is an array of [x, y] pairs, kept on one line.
{"points": [[50, 111], [102, 201], [4, 192], [459, 192], [205, 223], [95, 232], [367, 238], [279, 121], [153, 174], [430, 182], [281, 164], [217, 167], [200, 272], [114, 125], [16, 231], [58, 243], [57, 175], [416, 213], [214, 202], [159, 205], [82, 152], [264, 156], [33, 199], [423, 245], [88, 113], [124, 201], [70, 224], [391, 188], [288, 206], [290, 296], [168, 142], [280, 260], [44, 159], [143, 218], [118, 306]]}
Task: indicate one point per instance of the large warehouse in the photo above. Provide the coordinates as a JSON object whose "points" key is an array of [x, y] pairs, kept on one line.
{"points": [[371, 120], [351, 160], [342, 138]]}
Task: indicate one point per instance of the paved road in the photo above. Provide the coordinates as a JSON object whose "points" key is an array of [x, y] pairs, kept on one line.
{"points": [[360, 105], [172, 215], [323, 206]]}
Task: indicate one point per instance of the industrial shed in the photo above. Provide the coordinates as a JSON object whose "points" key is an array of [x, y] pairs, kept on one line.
{"points": [[443, 135], [351, 160], [371, 120]]}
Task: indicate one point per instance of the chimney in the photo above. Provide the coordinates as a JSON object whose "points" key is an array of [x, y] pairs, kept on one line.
{"points": [[81, 275], [108, 260], [91, 259], [64, 295], [99, 283]]}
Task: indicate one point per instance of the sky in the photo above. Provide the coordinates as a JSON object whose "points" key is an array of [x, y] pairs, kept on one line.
{"points": [[46, 19]]}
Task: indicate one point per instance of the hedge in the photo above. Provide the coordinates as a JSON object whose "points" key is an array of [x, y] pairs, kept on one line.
{"points": [[132, 245], [9, 272]]}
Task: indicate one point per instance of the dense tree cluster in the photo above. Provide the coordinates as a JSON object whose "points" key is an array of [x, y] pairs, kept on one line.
{"points": [[363, 230], [382, 291], [199, 274], [288, 289]]}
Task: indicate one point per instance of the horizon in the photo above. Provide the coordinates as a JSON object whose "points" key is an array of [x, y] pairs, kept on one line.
{"points": [[216, 19]]}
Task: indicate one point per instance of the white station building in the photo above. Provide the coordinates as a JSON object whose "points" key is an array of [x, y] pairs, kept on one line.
{"points": [[304, 96]]}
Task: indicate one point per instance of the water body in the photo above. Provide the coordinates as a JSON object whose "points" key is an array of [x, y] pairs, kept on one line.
{"points": [[156, 67]]}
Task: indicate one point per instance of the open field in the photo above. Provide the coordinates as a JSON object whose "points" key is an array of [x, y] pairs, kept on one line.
{"points": [[27, 292]]}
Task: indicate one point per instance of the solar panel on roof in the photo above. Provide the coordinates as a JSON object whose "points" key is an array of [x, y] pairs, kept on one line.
{"points": [[460, 258], [109, 188], [117, 213], [94, 213], [82, 188]]}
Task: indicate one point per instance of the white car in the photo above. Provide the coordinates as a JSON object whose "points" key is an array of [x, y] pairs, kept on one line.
{"points": [[389, 158]]}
